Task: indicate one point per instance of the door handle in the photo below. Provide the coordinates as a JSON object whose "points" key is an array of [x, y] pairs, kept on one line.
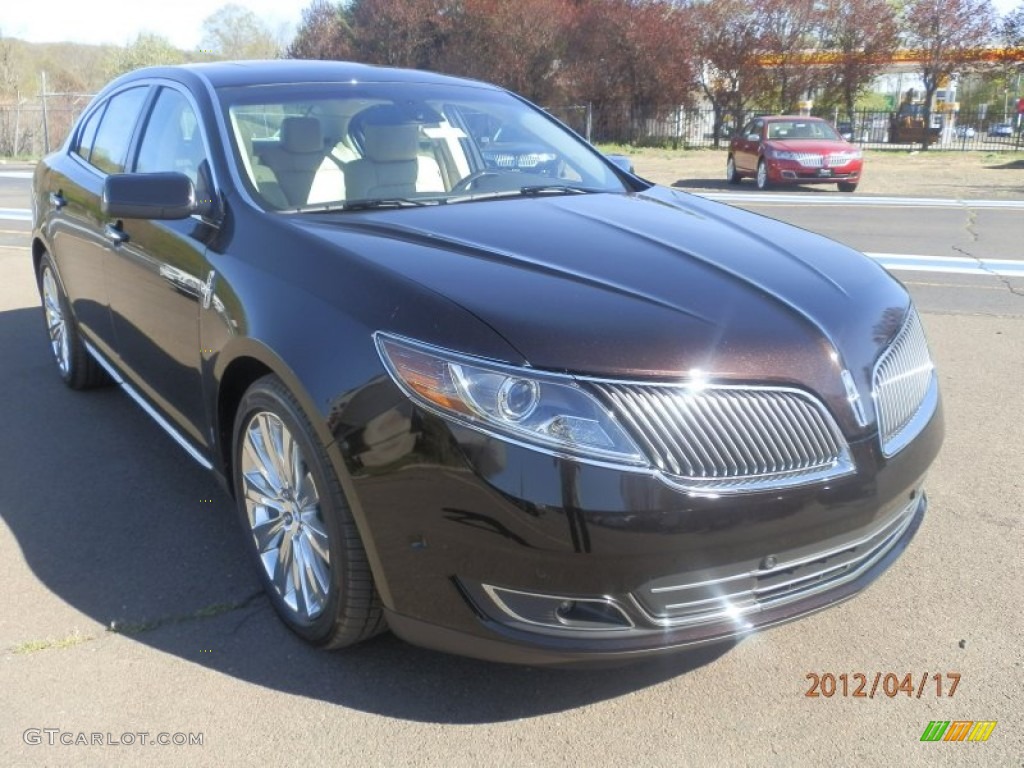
{"points": [[57, 200], [115, 234]]}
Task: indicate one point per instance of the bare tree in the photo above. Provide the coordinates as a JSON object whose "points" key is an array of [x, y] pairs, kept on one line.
{"points": [[234, 32], [860, 36], [727, 41], [789, 31], [947, 34]]}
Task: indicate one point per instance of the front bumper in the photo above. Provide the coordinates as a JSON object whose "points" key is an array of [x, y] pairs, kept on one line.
{"points": [[462, 517], [792, 172]]}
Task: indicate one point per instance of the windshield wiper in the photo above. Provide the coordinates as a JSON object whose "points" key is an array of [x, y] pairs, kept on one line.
{"points": [[362, 205], [558, 189]]}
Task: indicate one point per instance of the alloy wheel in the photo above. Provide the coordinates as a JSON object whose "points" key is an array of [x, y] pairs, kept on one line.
{"points": [[284, 515], [56, 323], [762, 175]]}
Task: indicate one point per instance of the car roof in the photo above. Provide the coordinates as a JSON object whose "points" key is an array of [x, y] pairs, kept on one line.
{"points": [[293, 71], [793, 117]]}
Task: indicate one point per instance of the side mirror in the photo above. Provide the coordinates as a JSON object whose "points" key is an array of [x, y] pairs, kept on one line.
{"points": [[168, 195], [621, 162], [753, 137]]}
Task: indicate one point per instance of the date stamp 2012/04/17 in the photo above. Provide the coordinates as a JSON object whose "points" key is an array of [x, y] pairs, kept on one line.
{"points": [[860, 685]]}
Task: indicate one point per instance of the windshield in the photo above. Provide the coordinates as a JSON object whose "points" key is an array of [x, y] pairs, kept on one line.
{"points": [[795, 130], [350, 146]]}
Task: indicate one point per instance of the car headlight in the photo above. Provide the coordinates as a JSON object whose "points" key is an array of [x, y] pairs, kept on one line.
{"points": [[544, 411], [778, 154]]}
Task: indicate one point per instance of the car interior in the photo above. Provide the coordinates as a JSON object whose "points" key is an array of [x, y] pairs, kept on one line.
{"points": [[332, 151]]}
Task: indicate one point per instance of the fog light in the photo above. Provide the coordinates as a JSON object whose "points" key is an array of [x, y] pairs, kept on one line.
{"points": [[558, 612]]}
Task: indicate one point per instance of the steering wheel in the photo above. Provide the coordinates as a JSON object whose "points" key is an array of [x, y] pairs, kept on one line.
{"points": [[469, 182]]}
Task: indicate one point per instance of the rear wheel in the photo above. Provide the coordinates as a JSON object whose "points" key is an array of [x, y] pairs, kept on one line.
{"points": [[731, 175], [847, 186], [299, 526], [74, 363], [762, 175]]}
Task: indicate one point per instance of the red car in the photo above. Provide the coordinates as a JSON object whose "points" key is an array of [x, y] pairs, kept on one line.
{"points": [[793, 150]]}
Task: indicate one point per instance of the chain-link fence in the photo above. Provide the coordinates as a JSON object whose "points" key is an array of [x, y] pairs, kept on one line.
{"points": [[30, 128], [680, 127]]}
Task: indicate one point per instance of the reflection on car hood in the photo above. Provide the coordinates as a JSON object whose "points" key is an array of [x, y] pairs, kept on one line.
{"points": [[652, 284]]}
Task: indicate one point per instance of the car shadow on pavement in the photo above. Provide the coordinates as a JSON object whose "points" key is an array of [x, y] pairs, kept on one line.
{"points": [[113, 519]]}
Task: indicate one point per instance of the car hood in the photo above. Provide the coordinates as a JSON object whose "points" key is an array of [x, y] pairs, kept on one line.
{"points": [[647, 285], [819, 146]]}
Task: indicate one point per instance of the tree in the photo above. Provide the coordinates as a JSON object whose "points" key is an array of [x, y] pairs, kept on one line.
{"points": [[789, 30], [862, 35], [727, 40], [947, 34], [502, 42], [323, 34], [400, 33], [147, 50], [234, 32], [632, 52]]}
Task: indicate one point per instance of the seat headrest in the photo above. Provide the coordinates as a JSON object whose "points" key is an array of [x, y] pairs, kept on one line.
{"points": [[302, 135], [390, 143]]}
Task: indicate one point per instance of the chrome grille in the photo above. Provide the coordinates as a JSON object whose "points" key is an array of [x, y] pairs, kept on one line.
{"points": [[812, 160], [902, 384], [725, 438], [729, 596]]}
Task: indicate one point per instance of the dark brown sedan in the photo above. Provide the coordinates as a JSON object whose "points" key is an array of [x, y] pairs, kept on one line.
{"points": [[543, 413]]}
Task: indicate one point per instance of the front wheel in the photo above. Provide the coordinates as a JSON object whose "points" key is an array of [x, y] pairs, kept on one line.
{"points": [[847, 186], [299, 526], [762, 175], [731, 174]]}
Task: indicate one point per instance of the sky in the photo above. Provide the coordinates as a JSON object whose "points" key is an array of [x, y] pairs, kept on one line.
{"points": [[181, 21], [120, 21]]}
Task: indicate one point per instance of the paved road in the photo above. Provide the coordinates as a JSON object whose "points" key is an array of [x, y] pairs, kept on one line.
{"points": [[106, 523]]}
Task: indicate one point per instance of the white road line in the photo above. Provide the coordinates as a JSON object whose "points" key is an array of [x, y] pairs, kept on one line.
{"points": [[15, 214], [855, 200], [950, 265], [15, 174]]}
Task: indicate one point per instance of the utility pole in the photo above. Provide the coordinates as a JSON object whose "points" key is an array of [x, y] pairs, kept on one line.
{"points": [[46, 123]]}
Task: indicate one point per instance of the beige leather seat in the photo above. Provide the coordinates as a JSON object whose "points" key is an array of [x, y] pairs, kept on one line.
{"points": [[391, 165], [304, 169]]}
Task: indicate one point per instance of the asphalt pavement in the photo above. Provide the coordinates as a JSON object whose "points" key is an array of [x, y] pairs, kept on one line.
{"points": [[129, 607]]}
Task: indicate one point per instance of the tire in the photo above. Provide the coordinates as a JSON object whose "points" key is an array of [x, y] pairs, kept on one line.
{"points": [[762, 176], [731, 174], [76, 366], [326, 595], [847, 186]]}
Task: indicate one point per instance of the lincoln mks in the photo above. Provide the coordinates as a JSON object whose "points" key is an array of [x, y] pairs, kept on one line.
{"points": [[537, 412]]}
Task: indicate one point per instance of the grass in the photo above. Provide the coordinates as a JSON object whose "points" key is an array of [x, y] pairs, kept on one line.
{"points": [[69, 641], [935, 173]]}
